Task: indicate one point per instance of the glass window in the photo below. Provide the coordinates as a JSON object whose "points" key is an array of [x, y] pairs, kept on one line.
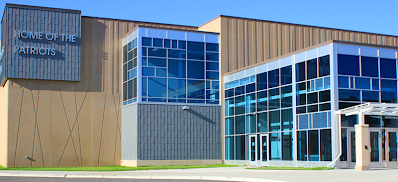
{"points": [[349, 95], [388, 68], [158, 52], [286, 75], [229, 107], [229, 92], [240, 105], [348, 121], [370, 96], [302, 145], [182, 44], [215, 85], [229, 148], [312, 68], [273, 78], [370, 66], [389, 91], [212, 95], [157, 62], [274, 98], [250, 88], [144, 51], [176, 68], [319, 84], [148, 71], [157, 87], [144, 86], [212, 75], [262, 122], [343, 105], [375, 84], [240, 90], [372, 121], [274, 121], [195, 50], [196, 69], [196, 89], [251, 123], [287, 119], [174, 44], [211, 56], [362, 83], [326, 145], [390, 121], [324, 96], [300, 71], [301, 99], [157, 42], [212, 66], [324, 107], [161, 72], [343, 156], [324, 65], [211, 47], [177, 88], [146, 41], [240, 125], [275, 146], [300, 110], [245, 80], [262, 100], [286, 96], [240, 147], [326, 82], [287, 146], [348, 65], [312, 108], [312, 98], [313, 145], [251, 103], [344, 82], [176, 53], [167, 43], [262, 81]]}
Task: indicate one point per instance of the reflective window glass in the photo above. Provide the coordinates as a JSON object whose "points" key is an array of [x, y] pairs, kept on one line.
{"points": [[273, 78], [250, 88], [262, 100], [349, 95], [274, 98], [312, 98], [195, 50], [177, 88], [229, 148], [275, 146], [161, 72], [287, 146], [176, 68], [212, 56], [166, 43], [287, 119], [286, 96], [240, 90], [157, 62], [326, 145], [144, 89], [343, 105], [388, 68], [144, 51], [240, 125], [177, 53], [324, 96], [390, 121], [240, 146], [313, 145], [212, 66], [251, 123], [196, 69], [312, 68], [212, 75], [375, 84], [388, 91], [146, 71], [324, 107], [215, 85], [370, 96], [348, 64], [348, 121], [286, 75], [274, 121], [362, 83], [157, 42], [324, 65], [157, 87], [229, 107], [300, 110], [158, 52], [240, 105], [372, 121], [212, 95], [229, 92], [312, 108], [174, 44], [370, 66], [302, 145], [146, 41], [262, 122], [196, 89], [262, 81], [301, 99], [319, 84], [211, 47], [251, 103], [182, 44], [229, 126], [300, 71]]}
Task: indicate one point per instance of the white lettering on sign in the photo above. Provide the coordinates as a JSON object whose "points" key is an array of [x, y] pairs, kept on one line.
{"points": [[40, 36]]}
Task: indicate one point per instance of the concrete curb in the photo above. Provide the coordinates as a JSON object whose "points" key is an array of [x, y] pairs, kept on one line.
{"points": [[216, 178]]}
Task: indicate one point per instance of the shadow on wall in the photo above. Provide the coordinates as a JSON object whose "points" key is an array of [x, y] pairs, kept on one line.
{"points": [[201, 116], [93, 57]]}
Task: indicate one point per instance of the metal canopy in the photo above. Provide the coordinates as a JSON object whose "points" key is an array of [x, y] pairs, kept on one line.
{"points": [[384, 109]]}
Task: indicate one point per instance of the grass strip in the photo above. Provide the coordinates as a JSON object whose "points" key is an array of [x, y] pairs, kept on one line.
{"points": [[112, 168], [291, 168]]}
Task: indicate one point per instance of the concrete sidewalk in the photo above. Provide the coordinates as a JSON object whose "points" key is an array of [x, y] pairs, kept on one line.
{"points": [[226, 174]]}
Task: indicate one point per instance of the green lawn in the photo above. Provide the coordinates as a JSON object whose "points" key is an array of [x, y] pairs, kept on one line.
{"points": [[292, 168], [111, 168]]}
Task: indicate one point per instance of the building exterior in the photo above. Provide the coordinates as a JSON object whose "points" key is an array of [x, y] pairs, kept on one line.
{"points": [[88, 91]]}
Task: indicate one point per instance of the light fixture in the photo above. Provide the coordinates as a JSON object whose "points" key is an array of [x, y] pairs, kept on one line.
{"points": [[185, 108]]}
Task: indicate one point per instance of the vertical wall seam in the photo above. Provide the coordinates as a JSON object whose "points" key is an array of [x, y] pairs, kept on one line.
{"points": [[102, 129], [19, 124], [117, 129], [78, 130]]}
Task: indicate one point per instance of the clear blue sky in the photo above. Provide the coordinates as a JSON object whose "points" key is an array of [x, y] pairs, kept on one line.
{"points": [[375, 16]]}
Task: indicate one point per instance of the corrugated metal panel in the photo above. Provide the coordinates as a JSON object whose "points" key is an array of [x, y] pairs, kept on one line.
{"points": [[129, 132]]}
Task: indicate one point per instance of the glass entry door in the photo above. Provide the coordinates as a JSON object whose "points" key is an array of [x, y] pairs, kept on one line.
{"points": [[351, 148], [263, 149], [376, 147], [258, 153], [253, 150], [391, 148]]}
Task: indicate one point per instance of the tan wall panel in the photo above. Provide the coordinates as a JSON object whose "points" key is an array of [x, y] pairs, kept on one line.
{"points": [[4, 125]]}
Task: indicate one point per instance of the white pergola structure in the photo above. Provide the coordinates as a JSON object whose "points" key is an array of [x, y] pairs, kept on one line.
{"points": [[362, 130]]}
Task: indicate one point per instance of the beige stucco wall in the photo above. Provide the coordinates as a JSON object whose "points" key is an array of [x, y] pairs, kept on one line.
{"points": [[3, 124]]}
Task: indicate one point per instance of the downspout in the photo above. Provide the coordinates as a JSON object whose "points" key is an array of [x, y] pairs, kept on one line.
{"points": [[341, 150]]}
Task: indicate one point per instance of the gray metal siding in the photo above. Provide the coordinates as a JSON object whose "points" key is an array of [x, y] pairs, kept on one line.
{"points": [[167, 132], [28, 66], [129, 132]]}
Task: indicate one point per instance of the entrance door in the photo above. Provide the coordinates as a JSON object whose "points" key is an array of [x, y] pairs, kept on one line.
{"points": [[253, 150], [351, 147], [391, 148], [376, 147], [263, 150]]}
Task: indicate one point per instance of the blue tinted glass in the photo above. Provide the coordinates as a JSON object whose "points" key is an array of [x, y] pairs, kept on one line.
{"points": [[240, 105], [312, 98], [157, 87], [211, 47], [244, 80], [157, 62], [300, 71], [229, 126], [177, 88], [177, 100], [274, 121], [161, 72], [349, 95], [370, 66], [229, 148], [212, 75], [177, 68], [326, 82], [144, 86], [215, 85], [286, 75], [144, 50], [287, 119], [196, 69], [324, 96], [274, 98], [157, 42], [158, 52], [212, 56], [344, 82], [275, 146], [362, 83], [324, 66], [312, 68], [229, 92], [240, 90], [262, 122], [370, 96], [212, 94], [250, 88], [319, 83], [196, 89], [196, 101], [251, 123], [211, 66], [212, 102], [240, 126], [312, 108], [252, 78], [262, 100], [148, 71], [146, 41], [375, 84], [195, 50], [300, 110], [167, 43], [352, 82], [388, 68], [262, 81], [348, 65], [133, 73], [177, 53], [229, 107], [273, 78], [388, 91], [208, 84], [174, 44], [286, 96], [182, 44], [251, 103]]}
